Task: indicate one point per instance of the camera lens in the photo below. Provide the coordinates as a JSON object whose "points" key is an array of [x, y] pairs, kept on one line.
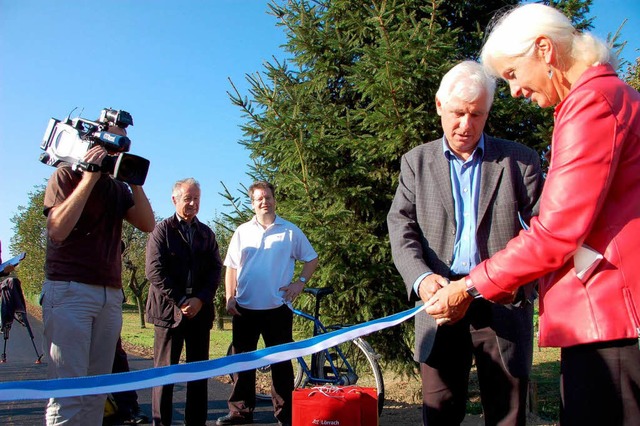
{"points": [[131, 169]]}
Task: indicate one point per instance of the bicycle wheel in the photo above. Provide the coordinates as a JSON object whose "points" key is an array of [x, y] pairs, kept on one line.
{"points": [[354, 363], [263, 379]]}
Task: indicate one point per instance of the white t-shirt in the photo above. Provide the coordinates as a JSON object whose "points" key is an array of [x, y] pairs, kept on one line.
{"points": [[265, 260]]}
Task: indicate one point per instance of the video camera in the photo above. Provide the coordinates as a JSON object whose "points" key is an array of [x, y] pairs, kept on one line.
{"points": [[69, 140]]}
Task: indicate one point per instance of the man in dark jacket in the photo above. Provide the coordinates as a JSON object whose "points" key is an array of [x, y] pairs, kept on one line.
{"points": [[183, 266]]}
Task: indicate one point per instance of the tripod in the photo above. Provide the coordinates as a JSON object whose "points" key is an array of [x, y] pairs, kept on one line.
{"points": [[12, 306]]}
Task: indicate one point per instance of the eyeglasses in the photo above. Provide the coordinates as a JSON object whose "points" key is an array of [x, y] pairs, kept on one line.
{"points": [[261, 199]]}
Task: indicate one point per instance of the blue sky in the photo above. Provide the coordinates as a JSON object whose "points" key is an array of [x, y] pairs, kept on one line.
{"points": [[168, 63]]}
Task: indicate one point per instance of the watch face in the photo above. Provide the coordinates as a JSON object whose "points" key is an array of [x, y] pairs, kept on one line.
{"points": [[303, 279]]}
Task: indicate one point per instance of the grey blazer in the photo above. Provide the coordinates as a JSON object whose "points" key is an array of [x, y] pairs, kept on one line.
{"points": [[422, 231]]}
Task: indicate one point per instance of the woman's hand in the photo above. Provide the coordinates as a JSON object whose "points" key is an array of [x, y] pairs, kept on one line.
{"points": [[450, 303]]}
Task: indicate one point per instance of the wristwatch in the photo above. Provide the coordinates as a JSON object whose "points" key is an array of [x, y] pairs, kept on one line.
{"points": [[471, 289], [302, 279]]}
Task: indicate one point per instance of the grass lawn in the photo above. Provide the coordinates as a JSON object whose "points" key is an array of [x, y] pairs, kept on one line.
{"points": [[545, 382], [143, 337]]}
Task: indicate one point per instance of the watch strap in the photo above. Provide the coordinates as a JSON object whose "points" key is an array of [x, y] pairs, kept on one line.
{"points": [[471, 289]]}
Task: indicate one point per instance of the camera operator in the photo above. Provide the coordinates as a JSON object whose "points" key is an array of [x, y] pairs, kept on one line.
{"points": [[81, 297]]}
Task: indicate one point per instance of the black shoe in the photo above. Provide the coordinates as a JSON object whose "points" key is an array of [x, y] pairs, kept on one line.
{"points": [[137, 417], [234, 419]]}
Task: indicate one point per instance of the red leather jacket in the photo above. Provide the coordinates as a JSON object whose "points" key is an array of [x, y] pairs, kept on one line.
{"points": [[591, 196]]}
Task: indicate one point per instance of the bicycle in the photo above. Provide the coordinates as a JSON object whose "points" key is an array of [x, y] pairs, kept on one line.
{"points": [[353, 362]]}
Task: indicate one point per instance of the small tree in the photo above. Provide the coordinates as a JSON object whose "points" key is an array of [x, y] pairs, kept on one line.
{"points": [[30, 236], [633, 74], [133, 264], [222, 227]]}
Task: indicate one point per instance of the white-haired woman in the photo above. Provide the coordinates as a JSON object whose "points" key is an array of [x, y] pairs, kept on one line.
{"points": [[585, 244]]}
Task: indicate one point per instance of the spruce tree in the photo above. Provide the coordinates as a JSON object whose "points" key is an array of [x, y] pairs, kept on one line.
{"points": [[328, 127]]}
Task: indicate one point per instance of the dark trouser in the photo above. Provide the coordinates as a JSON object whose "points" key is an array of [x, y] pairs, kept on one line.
{"points": [[445, 375], [601, 384], [276, 327], [127, 401], [194, 334]]}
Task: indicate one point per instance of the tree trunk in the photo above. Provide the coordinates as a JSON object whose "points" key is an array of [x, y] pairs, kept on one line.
{"points": [[140, 303], [138, 291]]}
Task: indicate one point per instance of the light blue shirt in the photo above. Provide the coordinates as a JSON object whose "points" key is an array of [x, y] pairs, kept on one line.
{"points": [[465, 188]]}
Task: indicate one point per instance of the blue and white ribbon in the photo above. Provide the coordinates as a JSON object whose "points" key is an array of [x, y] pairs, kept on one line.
{"points": [[140, 379]]}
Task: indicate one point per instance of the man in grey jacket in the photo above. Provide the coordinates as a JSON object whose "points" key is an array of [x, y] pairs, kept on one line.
{"points": [[459, 200]]}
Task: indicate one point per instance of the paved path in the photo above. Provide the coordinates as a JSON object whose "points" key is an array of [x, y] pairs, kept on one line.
{"points": [[21, 365]]}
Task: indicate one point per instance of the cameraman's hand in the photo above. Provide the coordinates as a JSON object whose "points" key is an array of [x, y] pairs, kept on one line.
{"points": [[63, 218], [94, 156]]}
